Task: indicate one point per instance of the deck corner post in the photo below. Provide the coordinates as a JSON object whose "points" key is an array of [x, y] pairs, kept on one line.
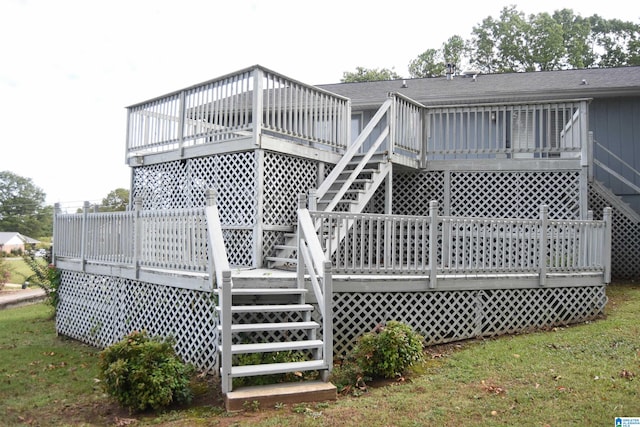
{"points": [[83, 239], [258, 76], [181, 121], [56, 211], [433, 244], [543, 258], [607, 216]]}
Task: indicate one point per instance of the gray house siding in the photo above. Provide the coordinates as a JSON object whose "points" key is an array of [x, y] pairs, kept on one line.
{"points": [[615, 123]]}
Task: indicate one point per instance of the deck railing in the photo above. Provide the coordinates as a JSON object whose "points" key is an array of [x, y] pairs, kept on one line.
{"points": [[239, 105], [551, 129], [174, 239], [443, 245]]}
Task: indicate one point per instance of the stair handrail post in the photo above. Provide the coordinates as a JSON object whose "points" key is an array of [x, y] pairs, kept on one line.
{"points": [[433, 244], [543, 243], [607, 216], [225, 323], [84, 237], [327, 319], [589, 153], [137, 235], [313, 199]]}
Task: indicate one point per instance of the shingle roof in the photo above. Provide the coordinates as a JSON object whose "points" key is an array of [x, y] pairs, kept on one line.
{"points": [[5, 236], [506, 87]]}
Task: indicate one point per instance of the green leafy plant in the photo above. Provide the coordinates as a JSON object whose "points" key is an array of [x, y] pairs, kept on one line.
{"points": [[5, 273], [46, 276], [388, 350], [271, 357], [143, 372]]}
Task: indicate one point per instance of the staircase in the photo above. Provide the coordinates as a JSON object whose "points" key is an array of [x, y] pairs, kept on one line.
{"points": [[350, 185], [296, 330]]}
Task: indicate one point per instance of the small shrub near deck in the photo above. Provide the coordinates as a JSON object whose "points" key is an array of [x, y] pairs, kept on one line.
{"points": [[143, 372], [388, 350]]}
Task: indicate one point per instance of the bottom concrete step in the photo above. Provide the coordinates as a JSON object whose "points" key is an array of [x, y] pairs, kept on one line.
{"points": [[269, 395]]}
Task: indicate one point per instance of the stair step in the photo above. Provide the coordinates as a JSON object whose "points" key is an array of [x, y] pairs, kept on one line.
{"points": [[270, 308], [283, 247], [271, 395], [253, 327], [275, 346], [364, 170], [278, 259], [265, 291], [277, 368]]}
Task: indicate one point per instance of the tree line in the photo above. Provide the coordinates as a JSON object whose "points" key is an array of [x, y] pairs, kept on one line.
{"points": [[23, 208], [515, 42]]}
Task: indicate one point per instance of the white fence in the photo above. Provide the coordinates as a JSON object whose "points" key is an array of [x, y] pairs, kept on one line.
{"points": [[443, 245]]}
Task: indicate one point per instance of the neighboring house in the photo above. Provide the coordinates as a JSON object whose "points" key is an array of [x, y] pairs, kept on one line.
{"points": [[270, 215], [13, 241]]}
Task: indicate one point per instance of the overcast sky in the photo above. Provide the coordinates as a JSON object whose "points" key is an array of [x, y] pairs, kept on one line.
{"points": [[68, 68]]}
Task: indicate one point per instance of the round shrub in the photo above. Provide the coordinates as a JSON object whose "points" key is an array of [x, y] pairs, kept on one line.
{"points": [[388, 350], [143, 372]]}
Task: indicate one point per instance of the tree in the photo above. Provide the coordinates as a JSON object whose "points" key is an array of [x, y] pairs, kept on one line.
{"points": [[116, 200], [552, 42], [429, 63], [369, 75], [22, 207]]}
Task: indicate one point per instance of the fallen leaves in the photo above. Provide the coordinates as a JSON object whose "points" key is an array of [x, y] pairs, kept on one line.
{"points": [[628, 375], [492, 388]]}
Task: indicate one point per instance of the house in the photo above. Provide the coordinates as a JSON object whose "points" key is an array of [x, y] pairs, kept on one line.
{"points": [[11, 241], [271, 215]]}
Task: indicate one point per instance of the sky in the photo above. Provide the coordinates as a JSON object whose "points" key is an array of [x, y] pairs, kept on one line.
{"points": [[69, 68]]}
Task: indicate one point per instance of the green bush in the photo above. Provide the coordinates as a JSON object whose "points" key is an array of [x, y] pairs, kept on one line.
{"points": [[388, 350], [143, 372], [5, 273]]}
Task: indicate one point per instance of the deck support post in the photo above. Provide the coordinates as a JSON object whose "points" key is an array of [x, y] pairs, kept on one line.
{"points": [[433, 245], [542, 258]]}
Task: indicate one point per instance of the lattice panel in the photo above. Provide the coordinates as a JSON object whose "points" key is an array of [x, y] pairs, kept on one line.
{"points": [[625, 238], [182, 184], [512, 310], [161, 186], [285, 178], [444, 316], [100, 310], [412, 193], [515, 194], [270, 239]]}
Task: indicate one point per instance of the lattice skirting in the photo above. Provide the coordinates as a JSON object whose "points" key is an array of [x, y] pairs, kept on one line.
{"points": [[100, 310], [445, 316]]}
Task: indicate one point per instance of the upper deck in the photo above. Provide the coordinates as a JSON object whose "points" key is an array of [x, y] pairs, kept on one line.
{"points": [[258, 108]]}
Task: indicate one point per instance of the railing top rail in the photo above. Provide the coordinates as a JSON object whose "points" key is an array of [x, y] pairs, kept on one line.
{"points": [[230, 75], [406, 99], [509, 104], [449, 218]]}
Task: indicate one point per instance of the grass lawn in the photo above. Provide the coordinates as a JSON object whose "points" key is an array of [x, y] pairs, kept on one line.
{"points": [[585, 374], [20, 271]]}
